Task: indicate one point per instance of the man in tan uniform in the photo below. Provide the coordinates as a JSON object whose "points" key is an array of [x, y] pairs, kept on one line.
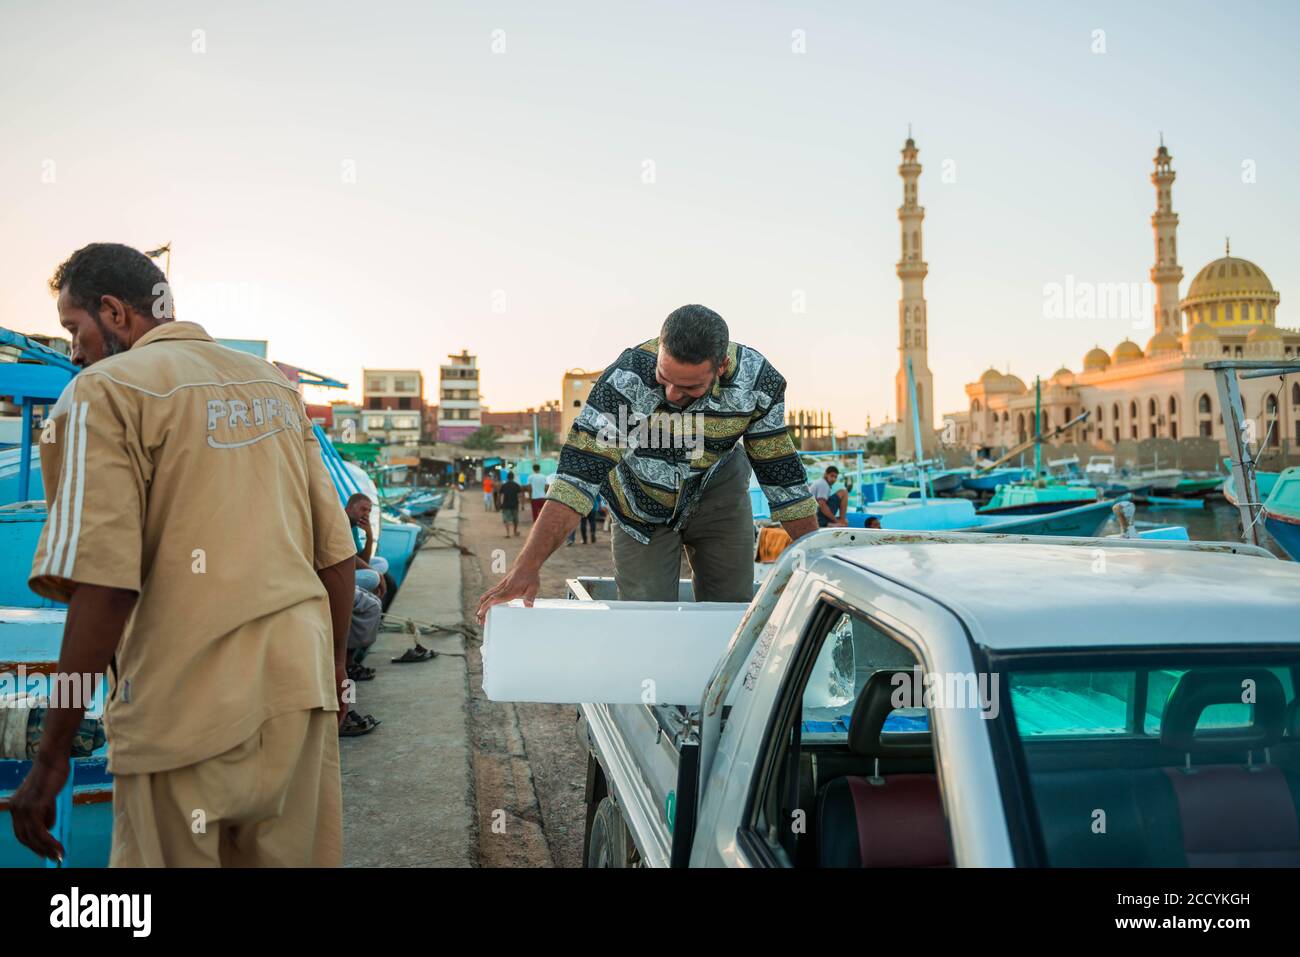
{"points": [[208, 567]]}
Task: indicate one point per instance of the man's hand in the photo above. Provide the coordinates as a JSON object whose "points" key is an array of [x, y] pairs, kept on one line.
{"points": [[520, 582], [800, 527], [32, 807], [382, 588]]}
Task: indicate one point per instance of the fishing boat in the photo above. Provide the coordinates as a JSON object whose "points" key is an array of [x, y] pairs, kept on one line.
{"points": [[941, 481], [959, 515], [988, 481], [1038, 498], [31, 627], [1160, 501], [1177, 482], [1198, 483], [1279, 501], [1282, 512]]}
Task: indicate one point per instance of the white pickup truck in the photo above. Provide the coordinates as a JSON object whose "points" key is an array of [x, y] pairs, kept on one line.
{"points": [[927, 699]]}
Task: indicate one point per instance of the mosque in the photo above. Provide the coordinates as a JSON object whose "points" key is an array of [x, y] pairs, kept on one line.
{"points": [[1162, 390]]}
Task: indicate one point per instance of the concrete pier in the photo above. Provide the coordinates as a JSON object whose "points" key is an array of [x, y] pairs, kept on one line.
{"points": [[407, 799]]}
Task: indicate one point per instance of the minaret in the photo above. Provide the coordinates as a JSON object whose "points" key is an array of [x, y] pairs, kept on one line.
{"points": [[1166, 273], [911, 317]]}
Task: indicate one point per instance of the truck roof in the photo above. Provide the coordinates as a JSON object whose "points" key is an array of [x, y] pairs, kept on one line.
{"points": [[1022, 596]]}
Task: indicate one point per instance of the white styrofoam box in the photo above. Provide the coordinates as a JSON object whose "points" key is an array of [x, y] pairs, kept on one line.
{"points": [[595, 652]]}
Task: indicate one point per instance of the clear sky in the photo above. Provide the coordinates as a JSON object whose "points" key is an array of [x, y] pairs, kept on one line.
{"points": [[367, 184]]}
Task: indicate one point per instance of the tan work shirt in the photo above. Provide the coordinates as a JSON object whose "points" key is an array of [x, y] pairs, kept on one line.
{"points": [[189, 473]]}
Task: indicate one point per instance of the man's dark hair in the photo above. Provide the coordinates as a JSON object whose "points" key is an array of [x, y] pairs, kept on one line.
{"points": [[111, 269], [357, 497], [695, 334], [830, 469], [510, 476], [537, 468]]}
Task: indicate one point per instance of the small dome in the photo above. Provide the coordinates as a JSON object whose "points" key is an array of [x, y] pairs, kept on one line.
{"points": [[1163, 342], [1126, 351], [1097, 358], [1063, 371], [1229, 278], [1202, 332], [991, 377], [1264, 334], [1013, 383]]}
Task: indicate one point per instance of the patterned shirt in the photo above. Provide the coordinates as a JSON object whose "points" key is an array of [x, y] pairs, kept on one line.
{"points": [[650, 460]]}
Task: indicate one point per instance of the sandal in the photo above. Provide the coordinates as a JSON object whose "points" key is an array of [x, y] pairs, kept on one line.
{"points": [[418, 653], [360, 673], [357, 724]]}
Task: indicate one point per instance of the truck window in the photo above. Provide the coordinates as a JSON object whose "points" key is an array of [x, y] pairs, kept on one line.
{"points": [[851, 651], [845, 769], [1171, 764]]}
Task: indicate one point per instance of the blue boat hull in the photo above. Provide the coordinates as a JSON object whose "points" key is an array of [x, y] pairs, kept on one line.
{"points": [[1036, 508], [1286, 532], [1083, 520], [92, 816], [397, 543], [956, 515]]}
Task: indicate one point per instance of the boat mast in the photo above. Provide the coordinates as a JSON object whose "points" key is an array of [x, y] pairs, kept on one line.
{"points": [[1038, 428], [922, 478]]}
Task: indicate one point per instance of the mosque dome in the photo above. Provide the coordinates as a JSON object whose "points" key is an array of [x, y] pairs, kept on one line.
{"points": [[1202, 341], [1163, 342], [1127, 351], [1264, 334], [995, 381], [1097, 358], [1229, 278], [1264, 342]]}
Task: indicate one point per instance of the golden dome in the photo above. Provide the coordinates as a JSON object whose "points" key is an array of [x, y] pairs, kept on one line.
{"points": [[995, 381], [1097, 358], [1127, 351], [1163, 342], [1202, 332], [1229, 278], [1264, 334], [1063, 371]]}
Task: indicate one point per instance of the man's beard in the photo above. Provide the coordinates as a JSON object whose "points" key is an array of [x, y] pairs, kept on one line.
{"points": [[112, 344]]}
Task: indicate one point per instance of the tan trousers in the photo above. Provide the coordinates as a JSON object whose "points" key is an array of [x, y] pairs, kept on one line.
{"points": [[718, 541], [273, 801]]}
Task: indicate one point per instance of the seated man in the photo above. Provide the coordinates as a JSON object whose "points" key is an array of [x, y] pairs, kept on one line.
{"points": [[371, 568], [832, 507], [362, 633]]}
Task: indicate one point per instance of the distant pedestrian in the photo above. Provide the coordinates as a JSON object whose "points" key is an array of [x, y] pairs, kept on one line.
{"points": [[589, 520], [488, 500], [510, 504], [537, 490]]}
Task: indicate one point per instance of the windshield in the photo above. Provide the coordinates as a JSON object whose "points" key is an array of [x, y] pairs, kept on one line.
{"points": [[1171, 764]]}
